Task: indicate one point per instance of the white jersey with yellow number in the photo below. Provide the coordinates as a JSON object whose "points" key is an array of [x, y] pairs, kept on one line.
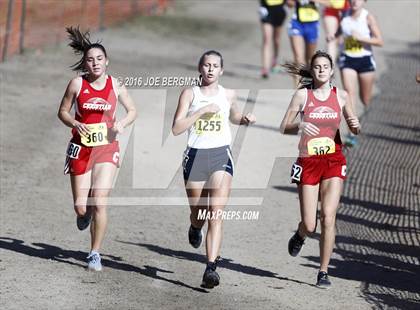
{"points": [[211, 130], [351, 46]]}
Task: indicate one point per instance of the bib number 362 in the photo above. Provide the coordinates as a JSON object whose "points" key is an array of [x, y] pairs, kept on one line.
{"points": [[321, 146], [97, 135]]}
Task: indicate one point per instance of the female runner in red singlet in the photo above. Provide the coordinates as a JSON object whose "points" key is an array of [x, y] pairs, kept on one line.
{"points": [[321, 166], [93, 152]]}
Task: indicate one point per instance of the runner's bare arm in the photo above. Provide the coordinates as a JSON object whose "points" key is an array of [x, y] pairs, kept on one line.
{"points": [[288, 125], [66, 105], [350, 117], [128, 104], [235, 116], [181, 119], [375, 33]]}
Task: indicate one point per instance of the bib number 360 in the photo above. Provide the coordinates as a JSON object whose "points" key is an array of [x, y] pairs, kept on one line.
{"points": [[97, 135]]}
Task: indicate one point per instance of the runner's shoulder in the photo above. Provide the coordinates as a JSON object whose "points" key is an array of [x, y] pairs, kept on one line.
{"points": [[119, 86], [187, 94], [230, 93], [75, 84], [298, 100], [342, 96], [187, 91], [371, 19], [301, 93]]}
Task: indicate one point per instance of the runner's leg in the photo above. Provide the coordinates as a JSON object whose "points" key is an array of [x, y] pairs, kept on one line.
{"points": [[102, 180], [220, 184], [331, 190]]}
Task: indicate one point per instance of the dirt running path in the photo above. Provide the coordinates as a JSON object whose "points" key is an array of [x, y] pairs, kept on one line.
{"points": [[148, 261]]}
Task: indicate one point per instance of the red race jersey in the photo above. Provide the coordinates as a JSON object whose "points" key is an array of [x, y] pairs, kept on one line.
{"points": [[326, 115], [95, 106]]}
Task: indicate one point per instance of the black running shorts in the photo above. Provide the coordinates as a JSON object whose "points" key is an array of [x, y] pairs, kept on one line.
{"points": [[200, 164]]}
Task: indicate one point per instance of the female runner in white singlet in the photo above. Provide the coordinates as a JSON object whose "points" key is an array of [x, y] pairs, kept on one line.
{"points": [[205, 112]]}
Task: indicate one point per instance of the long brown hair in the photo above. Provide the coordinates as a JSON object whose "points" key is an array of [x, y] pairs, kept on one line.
{"points": [[81, 44], [305, 72]]}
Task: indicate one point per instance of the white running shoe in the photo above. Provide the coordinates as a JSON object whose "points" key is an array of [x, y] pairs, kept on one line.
{"points": [[94, 261]]}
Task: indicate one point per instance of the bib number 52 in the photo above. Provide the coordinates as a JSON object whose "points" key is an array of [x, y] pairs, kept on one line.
{"points": [[296, 172]]}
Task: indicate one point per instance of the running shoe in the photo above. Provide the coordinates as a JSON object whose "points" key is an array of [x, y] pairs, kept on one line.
{"points": [[350, 141], [323, 281], [195, 236], [210, 278], [83, 222], [94, 261], [264, 74], [295, 244]]}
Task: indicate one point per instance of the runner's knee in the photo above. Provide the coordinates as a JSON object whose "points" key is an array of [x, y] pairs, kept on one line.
{"points": [[327, 221], [266, 42], [216, 220], [99, 210], [100, 197]]}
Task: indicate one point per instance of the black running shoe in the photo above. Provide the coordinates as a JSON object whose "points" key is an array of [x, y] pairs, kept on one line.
{"points": [[323, 281], [84, 221], [195, 236], [295, 244], [210, 278], [264, 74]]}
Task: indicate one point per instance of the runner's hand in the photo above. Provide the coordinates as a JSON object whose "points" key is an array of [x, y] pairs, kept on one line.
{"points": [[353, 122], [81, 128], [309, 129], [249, 119], [356, 35], [118, 128]]}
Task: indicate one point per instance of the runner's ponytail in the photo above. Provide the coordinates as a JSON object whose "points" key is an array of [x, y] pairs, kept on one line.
{"points": [[304, 71], [300, 70], [81, 44]]}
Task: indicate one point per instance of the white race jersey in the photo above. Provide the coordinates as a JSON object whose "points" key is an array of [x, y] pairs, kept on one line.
{"points": [[213, 130], [351, 46]]}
